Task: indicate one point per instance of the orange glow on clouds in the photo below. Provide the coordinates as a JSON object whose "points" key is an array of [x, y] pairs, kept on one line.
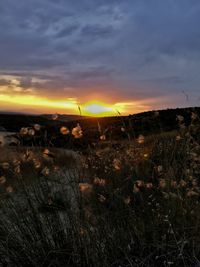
{"points": [[96, 104], [38, 102]]}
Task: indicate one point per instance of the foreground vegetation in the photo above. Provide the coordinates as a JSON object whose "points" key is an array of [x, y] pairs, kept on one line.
{"points": [[130, 203]]}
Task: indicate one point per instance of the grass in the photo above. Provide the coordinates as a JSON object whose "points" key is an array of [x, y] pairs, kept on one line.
{"points": [[130, 203]]}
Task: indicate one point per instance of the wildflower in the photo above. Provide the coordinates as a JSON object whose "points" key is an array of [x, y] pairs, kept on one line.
{"points": [[37, 127], [117, 164], [103, 137], [194, 116], [180, 118], [31, 132], [127, 200], [136, 188], [98, 153], [141, 139], [56, 168], [54, 117], [77, 131], [9, 189], [48, 154], [182, 183], [99, 181], [24, 131], [45, 171], [149, 185], [102, 198], [37, 164], [2, 179], [178, 138], [5, 165], [139, 183], [162, 183], [64, 130], [85, 187], [17, 169], [28, 155], [159, 168], [46, 151]]}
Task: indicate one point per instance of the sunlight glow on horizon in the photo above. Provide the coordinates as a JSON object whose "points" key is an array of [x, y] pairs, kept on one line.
{"points": [[35, 101], [99, 109], [36, 104]]}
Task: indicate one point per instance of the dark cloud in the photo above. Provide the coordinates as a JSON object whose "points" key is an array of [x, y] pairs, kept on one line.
{"points": [[25, 82], [4, 82], [95, 31], [135, 48], [66, 31]]}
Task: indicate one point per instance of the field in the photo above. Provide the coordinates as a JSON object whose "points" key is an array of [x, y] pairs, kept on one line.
{"points": [[105, 192]]}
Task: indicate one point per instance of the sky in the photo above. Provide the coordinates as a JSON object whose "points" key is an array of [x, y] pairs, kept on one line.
{"points": [[101, 55]]}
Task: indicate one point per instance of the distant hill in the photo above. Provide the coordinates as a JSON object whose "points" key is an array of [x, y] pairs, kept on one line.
{"points": [[141, 123], [64, 117], [146, 123], [14, 122], [11, 112]]}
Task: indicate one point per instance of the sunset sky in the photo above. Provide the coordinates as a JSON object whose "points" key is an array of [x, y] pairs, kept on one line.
{"points": [[101, 55]]}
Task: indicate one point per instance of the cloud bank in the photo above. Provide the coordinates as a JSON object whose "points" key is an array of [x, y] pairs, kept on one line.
{"points": [[114, 51]]}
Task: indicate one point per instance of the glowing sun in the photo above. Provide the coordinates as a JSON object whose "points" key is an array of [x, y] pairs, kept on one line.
{"points": [[98, 109]]}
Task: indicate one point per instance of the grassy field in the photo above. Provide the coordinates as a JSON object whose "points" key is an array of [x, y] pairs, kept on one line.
{"points": [[130, 203]]}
